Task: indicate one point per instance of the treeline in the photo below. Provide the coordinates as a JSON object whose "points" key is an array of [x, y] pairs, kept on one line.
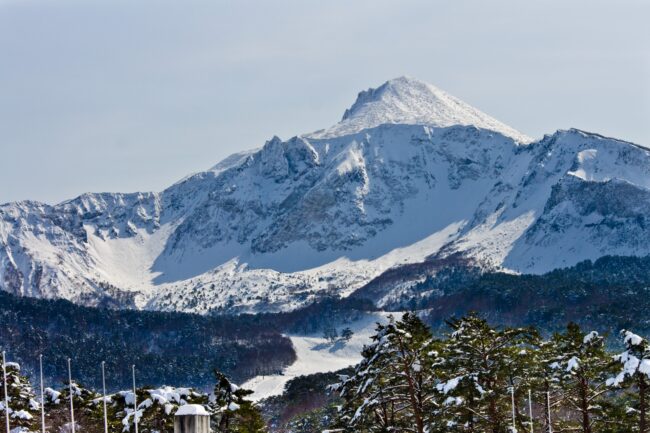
{"points": [[305, 406], [154, 408], [175, 348], [609, 294], [327, 312], [478, 378]]}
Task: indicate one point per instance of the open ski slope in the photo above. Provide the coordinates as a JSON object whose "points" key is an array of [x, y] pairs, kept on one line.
{"points": [[317, 355]]}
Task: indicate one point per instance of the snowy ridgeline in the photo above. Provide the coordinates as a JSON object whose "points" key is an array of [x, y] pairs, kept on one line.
{"points": [[409, 172]]}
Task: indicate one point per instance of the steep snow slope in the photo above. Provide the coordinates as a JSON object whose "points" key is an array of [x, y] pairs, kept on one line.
{"points": [[581, 196], [409, 173]]}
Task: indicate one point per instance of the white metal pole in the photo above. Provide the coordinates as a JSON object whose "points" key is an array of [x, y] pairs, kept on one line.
{"points": [[512, 395], [4, 376], [40, 362], [530, 410], [548, 404], [71, 394], [135, 403], [104, 389]]}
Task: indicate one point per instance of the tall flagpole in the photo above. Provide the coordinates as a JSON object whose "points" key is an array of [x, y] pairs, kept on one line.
{"points": [[512, 394], [135, 403], [40, 362], [530, 410], [104, 388], [548, 404], [4, 375], [71, 394]]}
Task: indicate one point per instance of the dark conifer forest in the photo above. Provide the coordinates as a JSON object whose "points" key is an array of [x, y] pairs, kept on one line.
{"points": [[169, 348]]}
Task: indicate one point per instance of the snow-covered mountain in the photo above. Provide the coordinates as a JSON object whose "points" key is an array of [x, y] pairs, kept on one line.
{"points": [[409, 173]]}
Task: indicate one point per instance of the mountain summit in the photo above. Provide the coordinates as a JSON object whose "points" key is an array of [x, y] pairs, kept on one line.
{"points": [[405, 100], [411, 176]]}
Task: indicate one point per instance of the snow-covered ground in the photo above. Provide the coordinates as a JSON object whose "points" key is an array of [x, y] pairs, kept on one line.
{"points": [[317, 355]]}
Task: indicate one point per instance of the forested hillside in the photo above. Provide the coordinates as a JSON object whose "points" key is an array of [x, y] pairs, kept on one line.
{"points": [[182, 349], [608, 294], [306, 405], [167, 348]]}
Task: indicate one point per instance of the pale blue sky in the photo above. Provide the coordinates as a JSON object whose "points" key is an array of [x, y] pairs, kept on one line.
{"points": [[126, 95]]}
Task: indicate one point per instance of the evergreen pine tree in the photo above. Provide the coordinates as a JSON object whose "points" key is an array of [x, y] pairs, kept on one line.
{"points": [[156, 407], [232, 412], [544, 382], [634, 373], [480, 364], [584, 366], [393, 388], [366, 404], [57, 410], [23, 406]]}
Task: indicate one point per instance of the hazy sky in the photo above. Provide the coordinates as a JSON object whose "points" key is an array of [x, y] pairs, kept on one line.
{"points": [[126, 95]]}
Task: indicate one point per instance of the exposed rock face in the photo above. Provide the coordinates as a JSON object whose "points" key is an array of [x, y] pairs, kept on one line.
{"points": [[410, 172]]}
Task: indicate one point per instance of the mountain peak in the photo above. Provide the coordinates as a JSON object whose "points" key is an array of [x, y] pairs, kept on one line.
{"points": [[397, 96], [406, 100]]}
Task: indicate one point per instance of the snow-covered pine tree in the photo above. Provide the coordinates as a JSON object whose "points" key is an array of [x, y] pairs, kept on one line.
{"points": [[544, 382], [84, 411], [156, 407], [82, 397], [583, 368], [23, 406], [114, 410], [479, 362], [232, 412], [393, 388], [366, 406], [411, 377], [346, 334], [634, 373], [521, 370]]}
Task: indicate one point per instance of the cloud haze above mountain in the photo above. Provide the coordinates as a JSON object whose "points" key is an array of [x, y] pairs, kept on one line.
{"points": [[126, 96]]}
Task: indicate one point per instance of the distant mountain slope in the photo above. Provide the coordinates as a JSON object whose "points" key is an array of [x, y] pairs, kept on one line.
{"points": [[409, 174]]}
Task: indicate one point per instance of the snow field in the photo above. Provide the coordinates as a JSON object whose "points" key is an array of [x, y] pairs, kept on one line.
{"points": [[317, 355]]}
